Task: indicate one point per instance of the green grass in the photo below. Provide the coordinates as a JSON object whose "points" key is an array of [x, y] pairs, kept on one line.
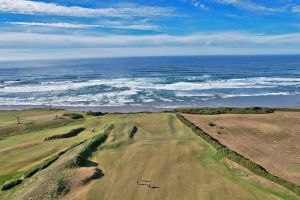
{"points": [[168, 153], [16, 181], [184, 165], [32, 126], [18, 159]]}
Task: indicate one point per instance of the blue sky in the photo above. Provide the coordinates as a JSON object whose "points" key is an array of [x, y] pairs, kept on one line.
{"points": [[43, 29]]}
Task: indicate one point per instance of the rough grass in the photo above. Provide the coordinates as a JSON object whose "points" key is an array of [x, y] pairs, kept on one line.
{"points": [[236, 157], [225, 110]]}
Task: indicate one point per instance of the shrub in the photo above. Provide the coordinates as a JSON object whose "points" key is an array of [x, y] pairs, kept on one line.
{"points": [[224, 110], [133, 132], [73, 115], [63, 187], [11, 184], [95, 113], [211, 124], [236, 157], [71, 133]]}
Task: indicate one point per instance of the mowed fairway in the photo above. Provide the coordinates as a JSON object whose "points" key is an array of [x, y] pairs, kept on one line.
{"points": [[178, 163], [271, 140]]}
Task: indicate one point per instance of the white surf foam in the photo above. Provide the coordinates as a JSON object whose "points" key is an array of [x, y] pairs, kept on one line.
{"points": [[146, 83]]}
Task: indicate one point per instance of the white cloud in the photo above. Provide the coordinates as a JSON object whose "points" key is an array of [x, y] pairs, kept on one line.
{"points": [[56, 25], [34, 54], [87, 26], [199, 4], [225, 39], [18, 46], [296, 9], [42, 8], [248, 5]]}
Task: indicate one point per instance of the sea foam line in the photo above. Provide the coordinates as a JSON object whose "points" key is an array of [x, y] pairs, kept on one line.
{"points": [[145, 83]]}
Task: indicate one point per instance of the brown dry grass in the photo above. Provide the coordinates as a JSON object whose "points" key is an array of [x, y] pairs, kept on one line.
{"points": [[271, 140]]}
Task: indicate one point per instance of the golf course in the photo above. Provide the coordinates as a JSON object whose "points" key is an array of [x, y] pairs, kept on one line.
{"points": [[60, 154]]}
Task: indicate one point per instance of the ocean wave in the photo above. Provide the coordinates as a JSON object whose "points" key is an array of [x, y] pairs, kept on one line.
{"points": [[125, 98], [259, 94], [146, 83]]}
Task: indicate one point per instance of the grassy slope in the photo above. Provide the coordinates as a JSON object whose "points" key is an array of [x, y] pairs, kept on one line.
{"points": [[21, 152], [181, 164]]}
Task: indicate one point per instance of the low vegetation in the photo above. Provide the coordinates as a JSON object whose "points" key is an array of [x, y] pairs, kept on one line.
{"points": [[211, 124], [91, 146], [63, 187], [72, 133], [95, 113], [73, 115], [236, 157], [288, 109], [225, 110]]}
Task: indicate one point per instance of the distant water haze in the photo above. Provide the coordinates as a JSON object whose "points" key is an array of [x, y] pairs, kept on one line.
{"points": [[153, 83]]}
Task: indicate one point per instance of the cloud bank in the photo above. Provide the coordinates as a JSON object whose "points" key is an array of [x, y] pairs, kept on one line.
{"points": [[42, 8], [230, 39]]}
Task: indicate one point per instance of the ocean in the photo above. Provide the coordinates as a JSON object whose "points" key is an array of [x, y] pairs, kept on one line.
{"points": [[152, 83]]}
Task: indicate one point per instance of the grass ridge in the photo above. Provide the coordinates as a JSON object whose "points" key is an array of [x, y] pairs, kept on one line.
{"points": [[91, 146], [14, 182]]}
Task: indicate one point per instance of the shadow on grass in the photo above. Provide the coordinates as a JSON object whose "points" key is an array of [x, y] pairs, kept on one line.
{"points": [[148, 185]]}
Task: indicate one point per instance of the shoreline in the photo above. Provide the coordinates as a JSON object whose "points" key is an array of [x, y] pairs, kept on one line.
{"points": [[289, 101]]}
